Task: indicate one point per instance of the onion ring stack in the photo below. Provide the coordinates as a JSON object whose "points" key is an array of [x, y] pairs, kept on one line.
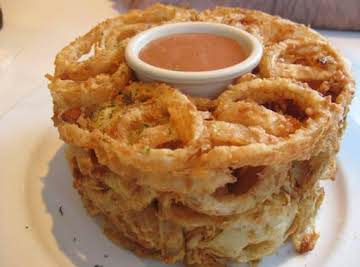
{"points": [[202, 181]]}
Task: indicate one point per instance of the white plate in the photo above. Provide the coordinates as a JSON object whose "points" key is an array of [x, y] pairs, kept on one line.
{"points": [[35, 182]]}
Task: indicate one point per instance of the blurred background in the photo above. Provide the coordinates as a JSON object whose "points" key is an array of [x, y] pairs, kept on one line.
{"points": [[326, 14]]}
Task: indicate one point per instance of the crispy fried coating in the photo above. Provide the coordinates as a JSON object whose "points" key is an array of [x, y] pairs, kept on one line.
{"points": [[203, 181]]}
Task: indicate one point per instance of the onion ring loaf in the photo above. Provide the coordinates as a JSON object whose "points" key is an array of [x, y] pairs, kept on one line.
{"points": [[203, 181]]}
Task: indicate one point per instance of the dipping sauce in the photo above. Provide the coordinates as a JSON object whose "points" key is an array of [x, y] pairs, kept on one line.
{"points": [[193, 52]]}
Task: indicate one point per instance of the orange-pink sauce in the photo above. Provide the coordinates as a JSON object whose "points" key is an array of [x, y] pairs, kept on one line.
{"points": [[193, 52]]}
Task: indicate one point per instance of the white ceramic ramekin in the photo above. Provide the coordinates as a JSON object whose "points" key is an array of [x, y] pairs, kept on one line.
{"points": [[197, 83]]}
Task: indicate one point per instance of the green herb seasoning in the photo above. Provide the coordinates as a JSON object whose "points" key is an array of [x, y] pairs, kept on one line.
{"points": [[147, 150]]}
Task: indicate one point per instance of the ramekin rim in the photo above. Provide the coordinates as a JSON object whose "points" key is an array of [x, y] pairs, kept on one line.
{"points": [[166, 75]]}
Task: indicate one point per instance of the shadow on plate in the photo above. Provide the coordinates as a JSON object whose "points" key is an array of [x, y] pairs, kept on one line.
{"points": [[79, 237]]}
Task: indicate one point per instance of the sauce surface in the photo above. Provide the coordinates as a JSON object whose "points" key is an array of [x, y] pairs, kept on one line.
{"points": [[193, 52]]}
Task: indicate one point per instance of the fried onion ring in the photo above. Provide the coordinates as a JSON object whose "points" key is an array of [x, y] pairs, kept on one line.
{"points": [[295, 146], [268, 29], [252, 187], [311, 61]]}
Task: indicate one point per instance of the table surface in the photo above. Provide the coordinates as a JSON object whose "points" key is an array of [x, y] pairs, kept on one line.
{"points": [[35, 30]]}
